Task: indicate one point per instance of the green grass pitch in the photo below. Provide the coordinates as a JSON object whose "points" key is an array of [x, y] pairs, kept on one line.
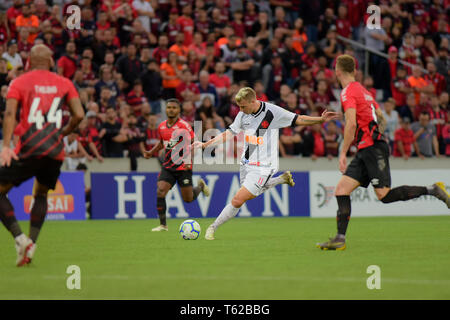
{"points": [[252, 258]]}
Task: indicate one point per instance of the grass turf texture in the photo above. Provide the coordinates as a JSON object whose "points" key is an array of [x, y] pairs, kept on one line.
{"points": [[252, 258]]}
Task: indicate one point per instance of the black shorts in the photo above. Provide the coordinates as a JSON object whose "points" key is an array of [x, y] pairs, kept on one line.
{"points": [[46, 170], [371, 165], [183, 177]]}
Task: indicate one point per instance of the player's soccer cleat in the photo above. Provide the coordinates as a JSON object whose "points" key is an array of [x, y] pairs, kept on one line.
{"points": [[30, 253], [441, 193], [287, 176], [336, 243], [204, 186], [209, 235], [160, 228], [23, 246]]}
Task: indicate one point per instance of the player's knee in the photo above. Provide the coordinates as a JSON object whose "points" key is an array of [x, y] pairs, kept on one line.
{"points": [[160, 193], [236, 202], [341, 190]]}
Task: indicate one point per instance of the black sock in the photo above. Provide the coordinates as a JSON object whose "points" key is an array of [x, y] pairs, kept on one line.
{"points": [[7, 216], [343, 213], [37, 216], [161, 207], [196, 191], [404, 193]]}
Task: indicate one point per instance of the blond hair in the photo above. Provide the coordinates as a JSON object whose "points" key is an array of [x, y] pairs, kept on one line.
{"points": [[246, 94], [346, 63]]}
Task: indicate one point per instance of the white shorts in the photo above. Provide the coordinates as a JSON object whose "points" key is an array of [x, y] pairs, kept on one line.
{"points": [[254, 178]]}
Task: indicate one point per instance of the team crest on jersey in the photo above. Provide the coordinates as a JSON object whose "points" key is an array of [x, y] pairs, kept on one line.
{"points": [[368, 97], [265, 124]]}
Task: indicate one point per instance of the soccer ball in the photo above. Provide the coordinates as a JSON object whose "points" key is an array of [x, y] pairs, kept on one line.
{"points": [[190, 230]]}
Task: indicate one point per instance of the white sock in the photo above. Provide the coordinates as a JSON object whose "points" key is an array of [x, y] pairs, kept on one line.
{"points": [[20, 238], [227, 213], [274, 182]]}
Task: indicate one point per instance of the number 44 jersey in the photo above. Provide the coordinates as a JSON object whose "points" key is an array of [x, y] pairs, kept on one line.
{"points": [[40, 95]]}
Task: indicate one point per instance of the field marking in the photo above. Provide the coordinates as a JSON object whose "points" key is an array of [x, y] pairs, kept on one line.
{"points": [[254, 278]]}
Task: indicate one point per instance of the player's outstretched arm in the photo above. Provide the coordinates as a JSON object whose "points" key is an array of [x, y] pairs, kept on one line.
{"points": [[221, 138], [349, 135], [381, 120], [155, 149], [9, 122], [77, 114], [326, 116]]}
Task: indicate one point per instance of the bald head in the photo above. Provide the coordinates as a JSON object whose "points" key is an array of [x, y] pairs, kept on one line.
{"points": [[41, 57]]}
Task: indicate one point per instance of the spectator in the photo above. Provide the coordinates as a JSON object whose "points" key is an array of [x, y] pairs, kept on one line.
{"points": [[404, 140], [318, 142], [332, 139], [11, 56], [161, 52], [220, 80], [91, 136], [188, 112], [418, 84], [152, 85], [299, 37], [446, 135], [343, 26], [425, 135], [277, 77], [29, 21], [391, 117], [5, 33], [5, 76], [320, 98], [186, 25], [129, 66], [136, 98], [438, 80], [74, 151], [242, 65], [115, 136], [171, 27], [443, 65], [145, 12], [106, 80], [187, 89], [327, 20], [170, 74], [237, 24], [259, 89], [151, 134], [400, 87], [67, 64], [179, 48], [438, 118], [134, 139], [408, 52], [207, 89], [207, 111]]}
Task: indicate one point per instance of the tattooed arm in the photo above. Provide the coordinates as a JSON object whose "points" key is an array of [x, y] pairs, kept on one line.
{"points": [[381, 120]]}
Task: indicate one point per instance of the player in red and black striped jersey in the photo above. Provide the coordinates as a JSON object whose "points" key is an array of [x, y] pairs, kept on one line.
{"points": [[176, 136], [365, 122], [39, 95]]}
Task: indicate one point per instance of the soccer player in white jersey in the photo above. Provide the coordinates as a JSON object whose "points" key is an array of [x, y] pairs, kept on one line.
{"points": [[260, 122]]}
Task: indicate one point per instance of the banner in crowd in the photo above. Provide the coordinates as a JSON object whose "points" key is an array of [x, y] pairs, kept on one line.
{"points": [[366, 204], [66, 202], [133, 195]]}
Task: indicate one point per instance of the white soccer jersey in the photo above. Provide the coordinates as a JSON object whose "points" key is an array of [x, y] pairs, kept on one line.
{"points": [[261, 134]]}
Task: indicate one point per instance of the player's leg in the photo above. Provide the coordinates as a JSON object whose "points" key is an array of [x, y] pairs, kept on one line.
{"points": [[252, 184], [405, 193], [11, 176], [355, 175], [188, 192], [284, 178], [379, 171], [162, 188], [230, 211]]}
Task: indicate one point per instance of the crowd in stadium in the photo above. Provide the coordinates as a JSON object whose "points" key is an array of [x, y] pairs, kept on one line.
{"points": [[131, 55]]}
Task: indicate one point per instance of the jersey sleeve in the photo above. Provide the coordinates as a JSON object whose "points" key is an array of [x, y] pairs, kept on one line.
{"points": [[348, 100], [13, 91], [236, 126], [283, 118]]}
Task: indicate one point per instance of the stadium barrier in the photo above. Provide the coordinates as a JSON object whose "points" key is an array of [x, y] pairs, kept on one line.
{"points": [[66, 202], [133, 196]]}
